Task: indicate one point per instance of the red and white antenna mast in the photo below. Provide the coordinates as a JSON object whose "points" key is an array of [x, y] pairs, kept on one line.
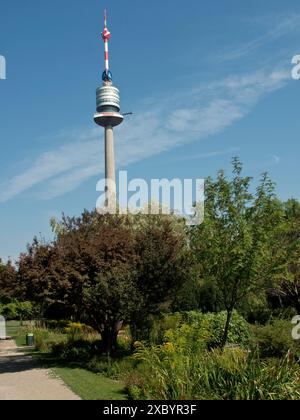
{"points": [[106, 76]]}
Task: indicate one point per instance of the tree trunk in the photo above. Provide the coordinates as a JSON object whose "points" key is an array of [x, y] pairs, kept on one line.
{"points": [[109, 336], [226, 329]]}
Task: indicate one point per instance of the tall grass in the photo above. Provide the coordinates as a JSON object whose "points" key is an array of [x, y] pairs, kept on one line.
{"points": [[168, 373]]}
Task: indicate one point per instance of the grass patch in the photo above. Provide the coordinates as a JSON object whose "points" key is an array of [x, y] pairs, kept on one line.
{"points": [[90, 386], [13, 329]]}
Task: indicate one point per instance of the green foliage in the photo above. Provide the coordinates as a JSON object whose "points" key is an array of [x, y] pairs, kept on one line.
{"points": [[59, 325], [239, 329], [178, 372], [209, 325], [9, 311], [77, 331], [113, 368], [44, 339], [17, 310], [234, 244], [275, 339], [287, 289], [106, 270]]}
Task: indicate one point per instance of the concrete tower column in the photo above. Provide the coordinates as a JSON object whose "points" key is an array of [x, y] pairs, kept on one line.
{"points": [[110, 174]]}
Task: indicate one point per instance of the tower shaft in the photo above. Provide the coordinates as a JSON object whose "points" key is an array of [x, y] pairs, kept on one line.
{"points": [[110, 172]]}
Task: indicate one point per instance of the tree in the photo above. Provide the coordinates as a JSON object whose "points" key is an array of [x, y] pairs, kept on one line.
{"points": [[25, 310], [9, 286], [234, 244], [121, 269], [288, 287], [164, 268], [36, 273], [96, 258]]}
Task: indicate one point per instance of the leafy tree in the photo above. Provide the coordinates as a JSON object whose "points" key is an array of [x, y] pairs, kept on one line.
{"points": [[96, 258], [25, 310], [9, 286], [36, 272], [10, 311], [120, 269], [288, 288], [164, 268], [234, 244]]}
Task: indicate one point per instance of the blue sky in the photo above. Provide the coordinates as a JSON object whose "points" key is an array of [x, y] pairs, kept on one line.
{"points": [[206, 80]]}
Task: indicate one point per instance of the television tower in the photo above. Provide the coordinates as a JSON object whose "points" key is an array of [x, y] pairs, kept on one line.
{"points": [[108, 116]]}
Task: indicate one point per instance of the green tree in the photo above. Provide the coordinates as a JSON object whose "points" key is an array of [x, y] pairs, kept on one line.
{"points": [[288, 288], [164, 270], [234, 244], [25, 310]]}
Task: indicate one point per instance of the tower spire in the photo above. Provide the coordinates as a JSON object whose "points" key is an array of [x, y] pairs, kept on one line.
{"points": [[106, 76], [105, 18]]}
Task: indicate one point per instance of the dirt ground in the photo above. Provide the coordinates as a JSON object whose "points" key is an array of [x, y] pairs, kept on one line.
{"points": [[22, 379]]}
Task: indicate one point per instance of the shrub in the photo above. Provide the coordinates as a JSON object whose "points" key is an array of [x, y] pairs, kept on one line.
{"points": [[79, 351], [16, 310], [275, 339], [210, 327], [58, 325], [10, 311], [24, 310], [239, 330], [80, 332], [111, 368], [44, 339], [161, 325]]}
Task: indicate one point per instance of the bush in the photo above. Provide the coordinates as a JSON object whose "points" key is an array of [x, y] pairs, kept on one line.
{"points": [[58, 325], [16, 310], [10, 311], [239, 330], [112, 368], [44, 339], [275, 339], [210, 326], [160, 326], [79, 351], [79, 332]]}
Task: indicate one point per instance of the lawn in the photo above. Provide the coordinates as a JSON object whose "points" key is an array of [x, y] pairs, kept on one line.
{"points": [[12, 330], [90, 386]]}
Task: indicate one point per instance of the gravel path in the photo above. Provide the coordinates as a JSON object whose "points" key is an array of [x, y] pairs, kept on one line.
{"points": [[22, 379]]}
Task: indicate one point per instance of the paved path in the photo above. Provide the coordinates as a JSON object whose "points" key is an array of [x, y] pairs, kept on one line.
{"points": [[22, 379]]}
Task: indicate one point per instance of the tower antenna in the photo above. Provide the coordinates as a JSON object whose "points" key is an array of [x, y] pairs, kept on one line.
{"points": [[106, 76]]}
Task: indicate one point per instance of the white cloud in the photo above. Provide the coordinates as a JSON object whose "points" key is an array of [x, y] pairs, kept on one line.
{"points": [[50, 164], [283, 26], [275, 159], [149, 133], [199, 156]]}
